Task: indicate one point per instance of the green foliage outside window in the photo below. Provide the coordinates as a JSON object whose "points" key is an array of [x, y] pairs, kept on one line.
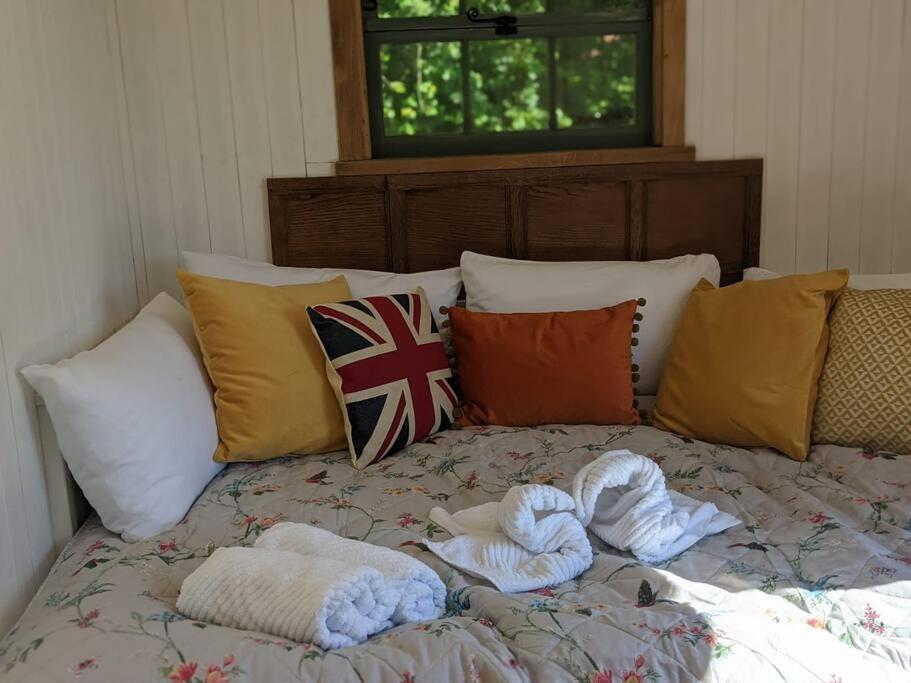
{"points": [[426, 8], [476, 82], [597, 80], [422, 88]]}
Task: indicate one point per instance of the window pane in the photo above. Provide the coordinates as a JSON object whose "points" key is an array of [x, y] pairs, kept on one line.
{"points": [[422, 88], [598, 5], [509, 85], [387, 9], [596, 81], [534, 6], [509, 6]]}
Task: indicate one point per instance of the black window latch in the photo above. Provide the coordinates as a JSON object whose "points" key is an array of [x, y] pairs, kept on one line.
{"points": [[505, 24]]}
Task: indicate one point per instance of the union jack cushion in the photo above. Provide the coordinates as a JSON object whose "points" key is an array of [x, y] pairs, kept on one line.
{"points": [[389, 370]]}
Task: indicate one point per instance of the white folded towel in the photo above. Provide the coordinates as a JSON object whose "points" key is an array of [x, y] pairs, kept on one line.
{"points": [[623, 499], [307, 599], [512, 544], [421, 593]]}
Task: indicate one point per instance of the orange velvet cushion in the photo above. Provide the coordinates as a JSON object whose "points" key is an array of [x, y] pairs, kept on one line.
{"points": [[526, 369]]}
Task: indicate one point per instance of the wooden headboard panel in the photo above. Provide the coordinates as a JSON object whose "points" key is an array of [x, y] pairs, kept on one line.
{"points": [[414, 222]]}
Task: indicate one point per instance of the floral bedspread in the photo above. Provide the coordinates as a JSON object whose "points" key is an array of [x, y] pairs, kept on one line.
{"points": [[815, 585]]}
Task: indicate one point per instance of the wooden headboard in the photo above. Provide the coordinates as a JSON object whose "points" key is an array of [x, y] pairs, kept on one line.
{"points": [[414, 222]]}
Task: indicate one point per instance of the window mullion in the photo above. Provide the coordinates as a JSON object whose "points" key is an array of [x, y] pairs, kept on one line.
{"points": [[552, 80], [466, 88]]}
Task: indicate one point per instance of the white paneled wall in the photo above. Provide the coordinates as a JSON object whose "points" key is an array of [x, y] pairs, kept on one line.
{"points": [[66, 267], [219, 95], [822, 90]]}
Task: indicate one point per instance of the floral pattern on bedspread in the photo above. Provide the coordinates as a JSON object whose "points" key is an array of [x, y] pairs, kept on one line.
{"points": [[815, 585]]}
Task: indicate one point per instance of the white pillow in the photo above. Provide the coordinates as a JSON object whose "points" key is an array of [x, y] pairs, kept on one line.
{"points": [[873, 281], [500, 285], [135, 420], [442, 287]]}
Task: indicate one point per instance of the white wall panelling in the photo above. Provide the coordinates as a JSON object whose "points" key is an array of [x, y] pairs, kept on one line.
{"points": [[822, 90], [815, 133], [66, 264], [901, 250], [881, 136], [219, 95]]}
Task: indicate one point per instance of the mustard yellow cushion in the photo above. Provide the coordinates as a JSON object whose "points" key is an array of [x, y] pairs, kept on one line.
{"points": [[271, 392], [745, 362]]}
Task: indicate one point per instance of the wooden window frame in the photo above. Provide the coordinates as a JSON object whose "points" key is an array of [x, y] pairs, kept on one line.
{"points": [[353, 117]]}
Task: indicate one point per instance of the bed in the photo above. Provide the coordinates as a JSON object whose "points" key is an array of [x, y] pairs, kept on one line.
{"points": [[815, 585]]}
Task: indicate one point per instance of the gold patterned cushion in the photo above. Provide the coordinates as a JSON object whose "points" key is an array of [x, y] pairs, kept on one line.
{"points": [[865, 388]]}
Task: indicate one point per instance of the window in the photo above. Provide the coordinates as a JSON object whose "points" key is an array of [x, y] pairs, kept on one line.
{"points": [[451, 77]]}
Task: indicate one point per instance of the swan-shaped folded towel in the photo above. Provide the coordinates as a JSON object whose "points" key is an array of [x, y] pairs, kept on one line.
{"points": [[529, 540], [307, 599], [421, 593], [622, 498]]}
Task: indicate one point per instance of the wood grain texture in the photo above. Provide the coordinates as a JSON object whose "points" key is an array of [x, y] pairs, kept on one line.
{"points": [[669, 72], [579, 157], [351, 216], [517, 217], [594, 230], [616, 212], [695, 215], [350, 80], [636, 228], [433, 230], [753, 216], [657, 72]]}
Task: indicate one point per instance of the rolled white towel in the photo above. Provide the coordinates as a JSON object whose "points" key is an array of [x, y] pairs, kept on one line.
{"points": [[622, 498], [529, 540], [421, 593], [307, 599]]}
